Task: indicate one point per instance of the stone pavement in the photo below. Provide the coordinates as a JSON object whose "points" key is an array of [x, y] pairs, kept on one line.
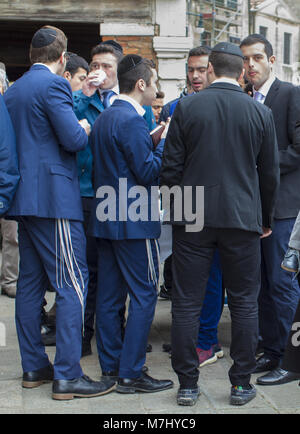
{"points": [[214, 383]]}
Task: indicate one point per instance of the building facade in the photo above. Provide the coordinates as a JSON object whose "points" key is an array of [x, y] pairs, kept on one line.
{"points": [[155, 29]]}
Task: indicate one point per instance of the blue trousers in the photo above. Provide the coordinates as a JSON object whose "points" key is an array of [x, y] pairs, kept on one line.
{"points": [[280, 293], [40, 262], [123, 270], [212, 306]]}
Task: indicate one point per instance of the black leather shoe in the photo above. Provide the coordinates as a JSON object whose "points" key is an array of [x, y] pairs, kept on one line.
{"points": [[264, 364], [114, 375], [240, 395], [37, 378], [188, 396], [291, 261], [82, 387], [143, 384], [277, 376], [149, 348]]}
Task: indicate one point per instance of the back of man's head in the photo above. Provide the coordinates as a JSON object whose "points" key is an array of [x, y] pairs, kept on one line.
{"points": [[227, 60], [133, 68], [47, 45], [255, 38]]}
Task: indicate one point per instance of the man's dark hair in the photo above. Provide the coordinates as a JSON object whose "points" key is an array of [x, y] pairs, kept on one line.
{"points": [[52, 52], [160, 95], [226, 65], [128, 79], [107, 48], [255, 38], [199, 51], [75, 62]]}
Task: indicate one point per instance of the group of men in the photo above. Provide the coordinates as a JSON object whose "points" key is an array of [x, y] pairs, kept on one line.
{"points": [[72, 237]]}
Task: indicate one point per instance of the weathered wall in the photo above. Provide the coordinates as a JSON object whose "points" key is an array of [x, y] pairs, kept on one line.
{"points": [[78, 10]]}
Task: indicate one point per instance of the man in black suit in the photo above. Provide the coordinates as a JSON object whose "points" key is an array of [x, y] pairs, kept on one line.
{"points": [[223, 140], [279, 293]]}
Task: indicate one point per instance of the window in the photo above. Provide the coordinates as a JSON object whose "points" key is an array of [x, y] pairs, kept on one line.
{"points": [[287, 48], [263, 31], [206, 39]]}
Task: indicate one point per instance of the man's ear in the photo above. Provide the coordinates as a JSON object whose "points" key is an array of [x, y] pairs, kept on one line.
{"points": [[67, 75], [141, 85], [210, 68], [272, 59]]}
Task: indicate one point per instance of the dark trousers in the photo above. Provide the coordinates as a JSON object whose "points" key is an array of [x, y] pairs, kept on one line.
{"points": [[192, 258], [279, 295], [92, 263], [212, 305], [41, 262]]}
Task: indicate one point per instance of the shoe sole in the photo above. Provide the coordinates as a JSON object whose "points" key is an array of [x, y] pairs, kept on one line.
{"points": [[288, 269], [187, 402], [209, 361], [124, 389], [69, 396], [238, 400], [33, 384]]}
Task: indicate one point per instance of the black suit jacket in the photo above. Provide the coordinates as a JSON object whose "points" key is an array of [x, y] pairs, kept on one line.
{"points": [[284, 101], [225, 141]]}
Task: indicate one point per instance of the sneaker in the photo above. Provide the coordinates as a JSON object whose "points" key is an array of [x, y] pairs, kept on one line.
{"points": [[206, 357], [291, 261], [240, 395], [188, 396]]}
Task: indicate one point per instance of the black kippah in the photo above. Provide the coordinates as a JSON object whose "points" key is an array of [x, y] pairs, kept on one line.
{"points": [[128, 63], [43, 37], [113, 44], [228, 48]]}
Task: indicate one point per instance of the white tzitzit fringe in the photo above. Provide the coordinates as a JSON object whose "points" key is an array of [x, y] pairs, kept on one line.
{"points": [[67, 258], [151, 266]]}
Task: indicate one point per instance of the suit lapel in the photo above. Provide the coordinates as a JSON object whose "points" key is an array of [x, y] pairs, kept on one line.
{"points": [[96, 102], [272, 93]]}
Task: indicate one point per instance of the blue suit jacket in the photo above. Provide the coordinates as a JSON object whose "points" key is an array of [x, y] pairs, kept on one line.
{"points": [[48, 136], [122, 148], [9, 173]]}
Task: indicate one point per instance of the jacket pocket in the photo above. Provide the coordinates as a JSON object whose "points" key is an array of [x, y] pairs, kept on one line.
{"points": [[61, 170]]}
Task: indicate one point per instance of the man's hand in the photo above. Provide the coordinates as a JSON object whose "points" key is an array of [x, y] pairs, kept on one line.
{"points": [[86, 126], [93, 82], [266, 232]]}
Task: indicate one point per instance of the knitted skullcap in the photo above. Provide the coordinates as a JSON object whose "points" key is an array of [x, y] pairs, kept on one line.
{"points": [[43, 37], [128, 63]]}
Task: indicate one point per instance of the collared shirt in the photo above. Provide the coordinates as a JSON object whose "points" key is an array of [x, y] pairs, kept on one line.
{"points": [[133, 102], [264, 89], [226, 80], [44, 64]]}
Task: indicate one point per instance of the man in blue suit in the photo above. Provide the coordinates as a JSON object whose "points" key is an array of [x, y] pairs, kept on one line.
{"points": [[124, 160], [48, 207], [9, 173]]}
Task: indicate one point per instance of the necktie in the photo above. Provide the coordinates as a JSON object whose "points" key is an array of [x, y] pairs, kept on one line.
{"points": [[107, 94], [259, 97]]}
